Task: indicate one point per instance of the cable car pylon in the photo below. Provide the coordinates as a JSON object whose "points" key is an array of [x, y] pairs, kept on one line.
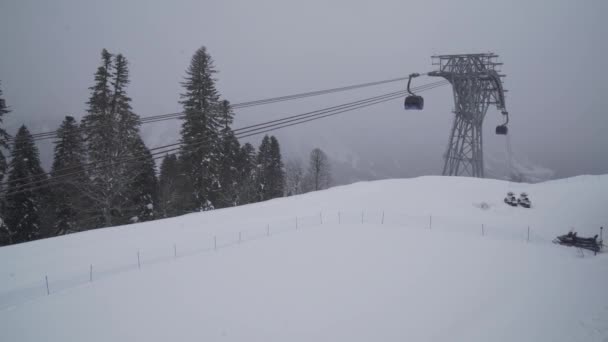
{"points": [[476, 84]]}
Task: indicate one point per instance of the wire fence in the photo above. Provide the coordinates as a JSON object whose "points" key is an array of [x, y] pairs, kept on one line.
{"points": [[150, 253]]}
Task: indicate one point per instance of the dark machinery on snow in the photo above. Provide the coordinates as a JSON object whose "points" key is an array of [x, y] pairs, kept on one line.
{"points": [[511, 200], [573, 240]]}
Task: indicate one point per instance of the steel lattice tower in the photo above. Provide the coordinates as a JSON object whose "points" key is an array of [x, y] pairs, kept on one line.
{"points": [[476, 84]]}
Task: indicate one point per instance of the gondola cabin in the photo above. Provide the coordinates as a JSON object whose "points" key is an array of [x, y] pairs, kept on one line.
{"points": [[413, 102]]}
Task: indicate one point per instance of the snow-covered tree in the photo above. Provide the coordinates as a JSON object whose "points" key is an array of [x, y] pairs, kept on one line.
{"points": [[25, 199], [111, 133], [3, 136], [270, 176], [294, 175], [4, 231], [169, 205], [229, 153], [200, 133], [247, 175], [318, 176], [144, 188], [276, 172], [67, 204]]}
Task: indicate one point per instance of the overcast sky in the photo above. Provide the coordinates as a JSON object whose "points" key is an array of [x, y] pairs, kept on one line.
{"points": [[553, 53]]}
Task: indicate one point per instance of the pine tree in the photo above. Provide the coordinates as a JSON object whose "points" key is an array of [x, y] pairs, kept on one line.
{"points": [[229, 154], [169, 205], [276, 174], [143, 190], [111, 132], [246, 168], [3, 136], [200, 132], [262, 174], [67, 203], [24, 201], [4, 232]]}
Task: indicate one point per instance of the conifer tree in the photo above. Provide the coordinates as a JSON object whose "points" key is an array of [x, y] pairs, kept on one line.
{"points": [[169, 205], [200, 131], [229, 154], [67, 204], [24, 200], [111, 132], [247, 180], [276, 174], [262, 174], [143, 190], [4, 232]]}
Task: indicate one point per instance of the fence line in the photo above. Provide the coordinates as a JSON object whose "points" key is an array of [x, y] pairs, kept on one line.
{"points": [[437, 223]]}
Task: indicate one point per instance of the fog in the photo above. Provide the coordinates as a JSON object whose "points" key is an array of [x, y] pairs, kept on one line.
{"points": [[551, 50]]}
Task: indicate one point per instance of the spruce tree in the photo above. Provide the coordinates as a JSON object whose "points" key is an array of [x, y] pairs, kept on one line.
{"points": [[4, 232], [247, 175], [200, 132], [3, 136], [111, 132], [143, 190], [67, 203], [229, 154], [24, 200], [169, 205], [262, 174], [276, 174]]}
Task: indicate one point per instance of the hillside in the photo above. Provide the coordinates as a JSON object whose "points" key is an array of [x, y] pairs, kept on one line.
{"points": [[422, 259]]}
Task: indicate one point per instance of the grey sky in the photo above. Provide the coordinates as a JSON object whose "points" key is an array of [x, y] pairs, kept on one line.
{"points": [[552, 50]]}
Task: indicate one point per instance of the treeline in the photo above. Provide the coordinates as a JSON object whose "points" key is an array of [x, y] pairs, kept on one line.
{"points": [[104, 175]]}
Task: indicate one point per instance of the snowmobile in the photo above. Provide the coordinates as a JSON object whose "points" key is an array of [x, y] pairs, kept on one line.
{"points": [[572, 239], [510, 199], [524, 201]]}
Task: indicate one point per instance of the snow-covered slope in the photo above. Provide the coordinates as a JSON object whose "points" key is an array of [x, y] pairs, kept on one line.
{"points": [[424, 259]]}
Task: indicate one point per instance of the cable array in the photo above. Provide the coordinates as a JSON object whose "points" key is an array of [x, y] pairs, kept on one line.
{"points": [[243, 132], [179, 115]]}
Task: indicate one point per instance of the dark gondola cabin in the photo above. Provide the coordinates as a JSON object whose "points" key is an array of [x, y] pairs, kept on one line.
{"points": [[413, 102], [501, 130]]}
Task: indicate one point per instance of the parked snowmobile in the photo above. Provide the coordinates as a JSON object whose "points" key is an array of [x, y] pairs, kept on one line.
{"points": [[524, 201], [572, 239], [510, 199]]}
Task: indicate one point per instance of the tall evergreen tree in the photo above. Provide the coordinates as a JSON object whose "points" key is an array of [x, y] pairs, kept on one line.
{"points": [[276, 174], [200, 132], [229, 154], [3, 136], [144, 188], [4, 232], [262, 170], [111, 132], [247, 175], [169, 205], [67, 203], [24, 201]]}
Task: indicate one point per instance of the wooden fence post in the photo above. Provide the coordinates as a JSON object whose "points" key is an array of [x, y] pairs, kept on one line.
{"points": [[48, 292]]}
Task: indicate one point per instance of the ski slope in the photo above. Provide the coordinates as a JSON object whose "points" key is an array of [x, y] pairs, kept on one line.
{"points": [[422, 259]]}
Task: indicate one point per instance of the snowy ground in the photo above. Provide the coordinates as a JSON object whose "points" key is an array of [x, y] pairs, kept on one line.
{"points": [[388, 260]]}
